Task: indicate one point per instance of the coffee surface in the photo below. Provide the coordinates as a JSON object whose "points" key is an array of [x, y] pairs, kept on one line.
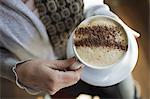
{"points": [[100, 43]]}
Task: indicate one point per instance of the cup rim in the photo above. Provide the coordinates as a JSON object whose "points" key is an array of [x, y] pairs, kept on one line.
{"points": [[102, 66]]}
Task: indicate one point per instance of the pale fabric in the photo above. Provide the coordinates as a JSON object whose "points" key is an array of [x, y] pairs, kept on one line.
{"points": [[29, 38], [22, 37], [90, 3]]}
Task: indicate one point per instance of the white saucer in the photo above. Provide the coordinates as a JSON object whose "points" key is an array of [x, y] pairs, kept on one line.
{"points": [[115, 74]]}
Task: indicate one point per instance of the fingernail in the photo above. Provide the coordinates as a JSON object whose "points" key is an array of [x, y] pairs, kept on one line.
{"points": [[76, 66]]}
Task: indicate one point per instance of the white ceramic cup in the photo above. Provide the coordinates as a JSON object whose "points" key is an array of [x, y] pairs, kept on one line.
{"points": [[110, 74]]}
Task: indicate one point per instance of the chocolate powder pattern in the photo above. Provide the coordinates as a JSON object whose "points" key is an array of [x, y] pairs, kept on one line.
{"points": [[95, 36]]}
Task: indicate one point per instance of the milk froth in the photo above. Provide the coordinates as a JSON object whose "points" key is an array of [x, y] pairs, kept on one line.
{"points": [[100, 42]]}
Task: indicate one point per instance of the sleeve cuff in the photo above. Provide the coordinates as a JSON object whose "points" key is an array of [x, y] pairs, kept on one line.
{"points": [[27, 89], [89, 3]]}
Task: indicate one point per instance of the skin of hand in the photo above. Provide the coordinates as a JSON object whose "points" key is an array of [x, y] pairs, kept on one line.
{"points": [[136, 35], [48, 76]]}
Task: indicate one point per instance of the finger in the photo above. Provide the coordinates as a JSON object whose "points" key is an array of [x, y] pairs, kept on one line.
{"points": [[75, 66], [70, 77], [61, 64], [136, 34], [51, 92]]}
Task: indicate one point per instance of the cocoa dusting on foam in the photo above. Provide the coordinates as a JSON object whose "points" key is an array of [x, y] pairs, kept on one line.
{"points": [[96, 36]]}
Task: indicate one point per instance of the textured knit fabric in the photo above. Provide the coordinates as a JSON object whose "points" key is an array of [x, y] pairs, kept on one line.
{"points": [[59, 18]]}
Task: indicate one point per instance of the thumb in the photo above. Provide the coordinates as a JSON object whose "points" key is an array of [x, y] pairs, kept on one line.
{"points": [[61, 64], [136, 34]]}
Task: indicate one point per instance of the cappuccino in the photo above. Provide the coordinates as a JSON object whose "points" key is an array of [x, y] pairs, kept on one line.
{"points": [[100, 42]]}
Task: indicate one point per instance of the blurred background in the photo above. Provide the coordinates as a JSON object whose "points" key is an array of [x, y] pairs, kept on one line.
{"points": [[135, 13]]}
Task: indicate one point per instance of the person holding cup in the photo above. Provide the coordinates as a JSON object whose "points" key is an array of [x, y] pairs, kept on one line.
{"points": [[33, 41]]}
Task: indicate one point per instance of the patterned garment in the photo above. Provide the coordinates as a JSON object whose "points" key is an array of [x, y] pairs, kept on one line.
{"points": [[59, 18]]}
